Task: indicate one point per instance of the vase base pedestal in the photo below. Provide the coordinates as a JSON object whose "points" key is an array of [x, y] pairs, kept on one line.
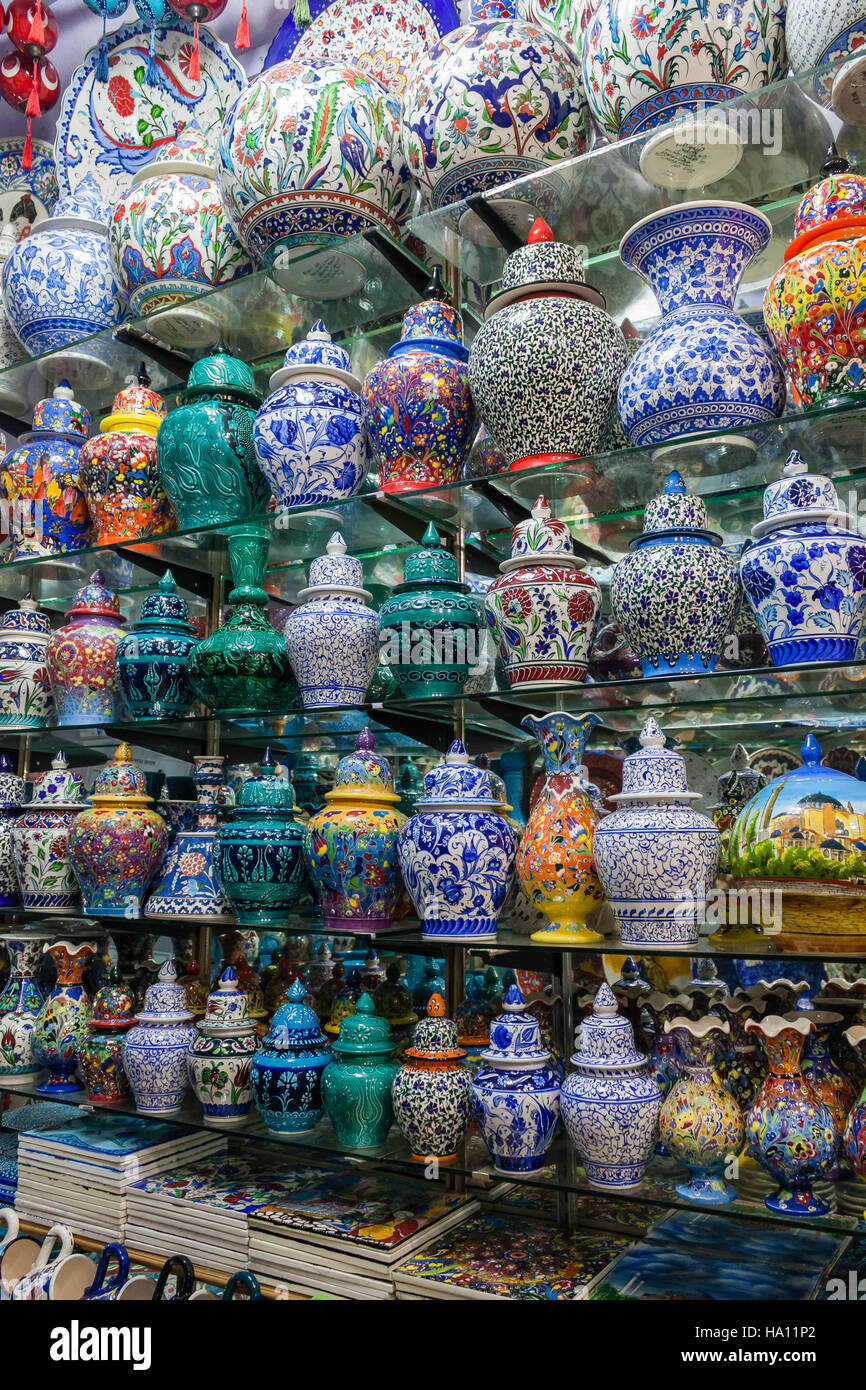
{"points": [[566, 935], [708, 1191], [730, 936], [59, 1088], [361, 926], [312, 273], [790, 1203], [732, 450], [434, 1158], [451, 929], [27, 1078], [848, 97]]}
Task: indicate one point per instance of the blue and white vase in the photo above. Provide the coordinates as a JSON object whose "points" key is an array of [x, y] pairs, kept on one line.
{"points": [[152, 657], [155, 1050], [40, 841], [332, 636], [287, 1067], [610, 1102], [656, 856], [186, 887], [11, 798], [457, 852], [219, 1059], [26, 701], [675, 594], [515, 1092], [804, 572], [702, 368], [309, 436]]}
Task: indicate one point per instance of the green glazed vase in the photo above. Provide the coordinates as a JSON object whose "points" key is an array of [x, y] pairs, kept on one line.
{"points": [[258, 855], [356, 1086], [243, 668], [204, 448], [430, 626]]}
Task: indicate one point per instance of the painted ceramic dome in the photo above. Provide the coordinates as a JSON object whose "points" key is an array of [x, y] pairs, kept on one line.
{"points": [[836, 204]]}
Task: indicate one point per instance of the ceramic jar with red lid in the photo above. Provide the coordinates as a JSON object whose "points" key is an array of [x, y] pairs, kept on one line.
{"points": [[81, 657], [119, 471]]}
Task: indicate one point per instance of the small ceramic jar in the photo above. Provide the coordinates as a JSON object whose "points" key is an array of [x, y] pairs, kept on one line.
{"points": [[152, 658], [116, 845], [515, 1092], [119, 473], [82, 658], [356, 1085], [333, 636], [40, 841], [20, 1003], [310, 437], [258, 855], [26, 701], [220, 1058], [100, 1046], [288, 1065], [186, 887], [11, 798], [432, 1093], [42, 480], [155, 1050]]}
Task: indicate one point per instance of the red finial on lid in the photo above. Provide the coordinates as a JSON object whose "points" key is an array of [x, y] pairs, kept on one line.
{"points": [[539, 231]]}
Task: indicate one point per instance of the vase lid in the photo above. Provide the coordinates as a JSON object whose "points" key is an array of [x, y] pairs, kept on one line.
{"points": [[228, 1007], [743, 780], [318, 358], [393, 1000], [83, 204], [221, 372], [165, 1001], [96, 600], [543, 261], [837, 200], [363, 1033], [25, 618], [541, 538], [364, 773], [188, 149], [515, 1036], [456, 781], [320, 968], [654, 770], [675, 509], [59, 787], [295, 1027], [430, 564], [11, 786], [165, 607], [136, 407], [799, 497], [61, 413], [113, 1005], [605, 1037], [121, 780], [433, 322], [266, 791], [435, 1037], [336, 570]]}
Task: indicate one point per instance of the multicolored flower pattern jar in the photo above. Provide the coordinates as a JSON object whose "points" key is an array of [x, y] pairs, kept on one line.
{"points": [[544, 607], [40, 841], [356, 1085], [152, 658], [432, 1092], [116, 845], [82, 658], [41, 480], [26, 701], [701, 1125], [155, 1050], [417, 402], [854, 1136], [20, 1003], [11, 798], [741, 1068], [288, 1065], [822, 1072], [515, 1092], [333, 636], [100, 1046], [219, 1061], [258, 854], [350, 846], [186, 887], [119, 472], [63, 1018]]}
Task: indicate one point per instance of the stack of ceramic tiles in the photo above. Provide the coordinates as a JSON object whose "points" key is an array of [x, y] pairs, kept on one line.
{"points": [[344, 1236], [79, 1173]]}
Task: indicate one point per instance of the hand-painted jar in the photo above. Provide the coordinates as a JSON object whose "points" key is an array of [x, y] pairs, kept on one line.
{"points": [[417, 402], [545, 365], [703, 367], [333, 636], [741, 1068], [310, 437], [674, 595], [804, 572], [429, 626], [152, 658], [63, 1018], [41, 480], [116, 845], [186, 887], [350, 846], [554, 862], [356, 1085], [343, 998], [204, 448], [610, 1102], [155, 1050], [243, 668], [656, 856], [788, 1130], [735, 788], [663, 1054], [11, 798], [515, 1092], [40, 841], [170, 240], [82, 658], [457, 852], [854, 1136], [319, 971], [258, 854], [544, 607], [20, 1003], [219, 1060], [432, 1092], [288, 1065], [100, 1046], [26, 701], [822, 1072], [119, 473], [701, 1125]]}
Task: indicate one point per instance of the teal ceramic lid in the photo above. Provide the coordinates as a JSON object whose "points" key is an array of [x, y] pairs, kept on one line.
{"points": [[317, 358], [431, 565], [515, 1036], [267, 792], [457, 781], [605, 1037], [228, 1007], [295, 1027], [165, 607], [59, 788], [363, 1033], [96, 600], [222, 373]]}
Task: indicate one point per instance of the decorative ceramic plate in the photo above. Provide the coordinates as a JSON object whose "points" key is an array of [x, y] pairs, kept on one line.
{"points": [[384, 37], [26, 197], [111, 129]]}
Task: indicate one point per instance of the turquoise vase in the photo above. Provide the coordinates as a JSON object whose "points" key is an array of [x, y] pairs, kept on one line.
{"points": [[258, 855], [356, 1087], [288, 1067], [152, 658]]}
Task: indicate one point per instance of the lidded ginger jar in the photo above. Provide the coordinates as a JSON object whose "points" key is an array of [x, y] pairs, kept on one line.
{"points": [[41, 479], [117, 843], [119, 471], [432, 1092], [82, 656], [40, 840], [26, 701], [333, 636]]}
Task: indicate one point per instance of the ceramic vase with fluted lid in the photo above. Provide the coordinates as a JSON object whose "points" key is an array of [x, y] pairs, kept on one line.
{"points": [[516, 1091], [219, 1060], [155, 1050], [610, 1102], [117, 843], [40, 841], [152, 658], [119, 472], [356, 1085], [20, 1002], [701, 1125], [310, 437], [100, 1046], [63, 1017], [42, 480], [26, 701], [288, 1065], [674, 595], [186, 887], [258, 853], [333, 635], [82, 658], [432, 1092]]}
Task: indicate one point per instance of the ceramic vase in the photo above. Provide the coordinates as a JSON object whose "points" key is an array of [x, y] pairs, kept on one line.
{"points": [[100, 1046], [81, 658], [741, 1069], [42, 481], [351, 845], [515, 1091], [258, 854], [674, 595], [12, 394], [854, 1135], [664, 1063], [219, 1061], [544, 607], [310, 436], [204, 448], [432, 1093], [610, 1102], [288, 1065], [356, 1085], [26, 701], [545, 365], [119, 473], [243, 668], [457, 852], [20, 1004], [701, 1125], [822, 1072], [333, 636], [170, 241], [417, 402], [63, 1018], [702, 368], [40, 841], [428, 628], [116, 845], [155, 1050], [804, 572], [152, 658], [186, 887], [11, 797], [788, 1130]]}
